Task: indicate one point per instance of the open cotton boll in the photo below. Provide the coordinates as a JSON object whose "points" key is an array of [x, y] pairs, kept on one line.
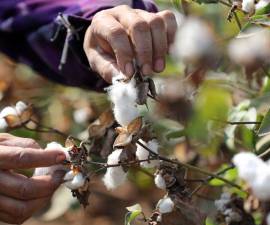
{"points": [[124, 95], [160, 182], [191, 47], [8, 111], [248, 6], [74, 182], [143, 154], [165, 205], [20, 107], [251, 48], [250, 116], [247, 165], [114, 176], [3, 124], [261, 4]]}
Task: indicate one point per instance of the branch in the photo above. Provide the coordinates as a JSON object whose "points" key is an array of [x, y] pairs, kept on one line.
{"points": [[188, 166]]}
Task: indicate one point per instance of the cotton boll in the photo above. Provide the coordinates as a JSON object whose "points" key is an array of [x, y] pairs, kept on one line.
{"points": [[165, 205], [77, 181], [81, 116], [20, 107], [124, 95], [251, 49], [194, 41], [8, 111], [160, 182], [221, 204], [115, 176], [143, 154], [3, 124], [247, 165], [250, 116], [260, 185], [248, 6], [261, 4]]}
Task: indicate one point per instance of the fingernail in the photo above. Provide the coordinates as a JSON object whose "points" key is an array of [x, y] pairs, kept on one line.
{"points": [[146, 69], [57, 176], [60, 158], [159, 65], [129, 70]]}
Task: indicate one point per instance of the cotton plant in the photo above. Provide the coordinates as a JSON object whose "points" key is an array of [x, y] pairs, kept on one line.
{"points": [[243, 112]]}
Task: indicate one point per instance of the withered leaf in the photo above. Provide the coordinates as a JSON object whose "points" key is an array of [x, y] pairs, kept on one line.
{"points": [[26, 115], [152, 87], [123, 139], [69, 142], [135, 126], [143, 89], [99, 126]]}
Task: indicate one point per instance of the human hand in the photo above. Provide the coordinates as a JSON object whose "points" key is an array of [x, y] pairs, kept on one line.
{"points": [[117, 36], [21, 196]]}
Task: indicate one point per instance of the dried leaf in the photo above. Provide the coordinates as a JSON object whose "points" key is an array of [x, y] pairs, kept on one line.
{"points": [[26, 114], [106, 118], [135, 126], [123, 139]]}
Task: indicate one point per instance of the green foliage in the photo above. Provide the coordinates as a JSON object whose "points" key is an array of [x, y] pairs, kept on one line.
{"points": [[134, 212], [230, 175], [265, 126]]}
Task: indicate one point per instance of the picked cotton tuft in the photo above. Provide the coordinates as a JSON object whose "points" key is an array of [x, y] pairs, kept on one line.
{"points": [[261, 4], [41, 171], [255, 172], [194, 41], [160, 182], [165, 205], [74, 181], [124, 96], [143, 154], [248, 6], [20, 107], [114, 176]]}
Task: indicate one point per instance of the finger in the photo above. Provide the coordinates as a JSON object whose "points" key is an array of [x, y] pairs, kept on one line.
{"points": [[106, 27], [7, 218], [170, 24], [22, 158], [10, 140], [24, 188], [159, 38], [104, 64], [140, 36], [20, 210]]}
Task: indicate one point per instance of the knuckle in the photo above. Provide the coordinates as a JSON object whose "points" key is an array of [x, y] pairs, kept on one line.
{"points": [[139, 26], [21, 158], [169, 15], [31, 143], [157, 22], [123, 7], [24, 191], [115, 33]]}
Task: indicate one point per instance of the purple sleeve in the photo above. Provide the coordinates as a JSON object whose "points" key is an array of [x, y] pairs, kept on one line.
{"points": [[47, 33]]}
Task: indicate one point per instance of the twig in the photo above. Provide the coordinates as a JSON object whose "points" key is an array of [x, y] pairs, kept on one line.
{"points": [[188, 166]]}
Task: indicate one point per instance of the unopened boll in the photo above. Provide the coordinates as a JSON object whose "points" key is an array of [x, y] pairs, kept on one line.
{"points": [[124, 96], [143, 154], [114, 176]]}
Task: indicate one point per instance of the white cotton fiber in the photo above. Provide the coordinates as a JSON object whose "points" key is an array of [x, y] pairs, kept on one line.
{"points": [[115, 176], [165, 205], [20, 107], [255, 172], [160, 182], [74, 181], [124, 96], [248, 6], [57, 146], [143, 154]]}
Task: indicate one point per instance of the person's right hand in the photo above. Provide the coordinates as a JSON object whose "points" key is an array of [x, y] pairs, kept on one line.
{"points": [[21, 196]]}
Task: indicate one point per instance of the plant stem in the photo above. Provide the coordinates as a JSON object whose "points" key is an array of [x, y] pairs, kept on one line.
{"points": [[188, 166]]}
